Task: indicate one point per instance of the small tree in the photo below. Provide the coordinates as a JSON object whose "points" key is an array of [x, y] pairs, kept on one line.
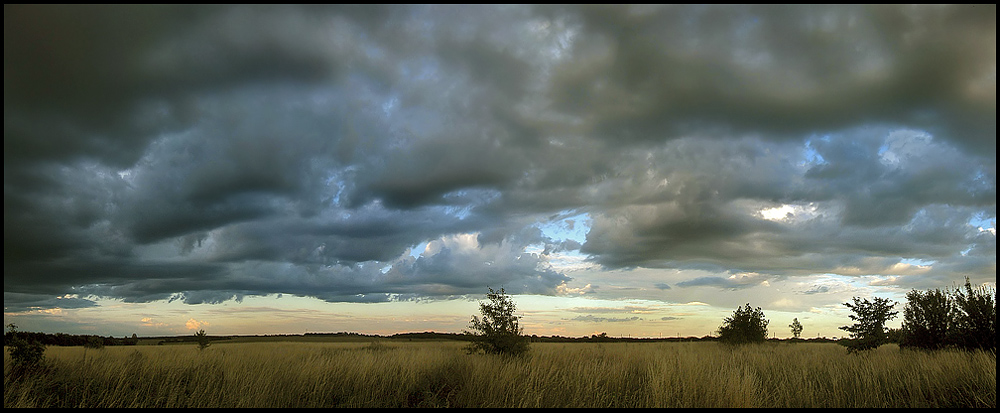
{"points": [[25, 353], [203, 340], [796, 327], [868, 332], [747, 325], [497, 332]]}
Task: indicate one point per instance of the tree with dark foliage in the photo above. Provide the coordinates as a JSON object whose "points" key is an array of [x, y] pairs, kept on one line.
{"points": [[747, 325], [976, 319], [928, 320], [497, 332], [962, 318], [796, 327], [868, 332], [203, 340]]}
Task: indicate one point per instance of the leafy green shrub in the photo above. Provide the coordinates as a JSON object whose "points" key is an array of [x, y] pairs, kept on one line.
{"points": [[498, 331], [747, 325]]}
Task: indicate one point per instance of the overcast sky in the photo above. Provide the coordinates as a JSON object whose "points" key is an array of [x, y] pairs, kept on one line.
{"points": [[636, 170]]}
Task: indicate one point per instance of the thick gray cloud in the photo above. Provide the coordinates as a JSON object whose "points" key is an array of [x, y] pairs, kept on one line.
{"points": [[911, 198], [209, 153], [781, 71]]}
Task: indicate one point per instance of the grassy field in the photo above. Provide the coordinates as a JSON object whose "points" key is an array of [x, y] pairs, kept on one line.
{"points": [[440, 374]]}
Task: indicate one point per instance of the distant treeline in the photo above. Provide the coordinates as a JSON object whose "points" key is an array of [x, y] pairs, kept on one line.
{"points": [[596, 338], [62, 339], [189, 339]]}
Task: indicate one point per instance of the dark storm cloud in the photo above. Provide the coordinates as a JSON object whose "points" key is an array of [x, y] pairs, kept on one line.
{"points": [[886, 179], [113, 77], [785, 71], [211, 153], [457, 266], [869, 193], [43, 301]]}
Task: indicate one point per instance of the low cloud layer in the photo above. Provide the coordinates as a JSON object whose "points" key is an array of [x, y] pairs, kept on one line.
{"points": [[209, 153]]}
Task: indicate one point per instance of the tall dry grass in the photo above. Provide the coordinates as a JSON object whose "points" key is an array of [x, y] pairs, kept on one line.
{"points": [[440, 374]]}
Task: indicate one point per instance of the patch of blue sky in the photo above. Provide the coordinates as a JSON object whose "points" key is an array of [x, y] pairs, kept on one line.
{"points": [[418, 249], [339, 179], [984, 221], [885, 154], [811, 155], [568, 225]]}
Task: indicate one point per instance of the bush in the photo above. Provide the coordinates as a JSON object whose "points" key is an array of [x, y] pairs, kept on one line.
{"points": [[203, 339], [498, 331], [25, 354], [747, 325], [975, 321], [927, 320], [964, 318], [868, 332]]}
